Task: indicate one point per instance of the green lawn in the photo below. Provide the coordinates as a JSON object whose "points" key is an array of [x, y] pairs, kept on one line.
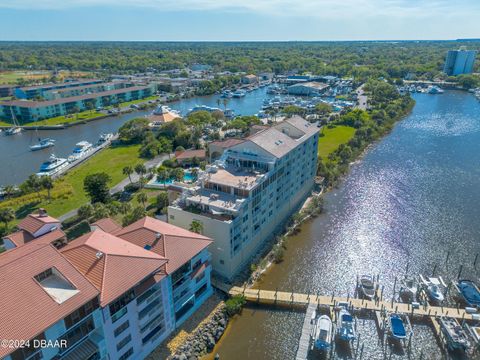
{"points": [[128, 103], [333, 138], [111, 161], [85, 115], [68, 193]]}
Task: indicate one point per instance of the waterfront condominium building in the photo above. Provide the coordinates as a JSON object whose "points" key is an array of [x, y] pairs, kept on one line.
{"points": [[113, 293], [31, 92], [244, 198], [459, 61], [28, 110]]}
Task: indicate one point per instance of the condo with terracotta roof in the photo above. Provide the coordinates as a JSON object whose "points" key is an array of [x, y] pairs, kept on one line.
{"points": [[112, 293], [44, 297], [39, 227], [246, 196]]}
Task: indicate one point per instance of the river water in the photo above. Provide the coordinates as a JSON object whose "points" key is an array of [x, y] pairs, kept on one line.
{"points": [[17, 162], [412, 198]]}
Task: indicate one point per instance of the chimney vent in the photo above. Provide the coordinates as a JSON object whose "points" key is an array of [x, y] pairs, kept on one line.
{"points": [[99, 254]]}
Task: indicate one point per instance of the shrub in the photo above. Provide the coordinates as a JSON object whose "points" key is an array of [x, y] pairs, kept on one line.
{"points": [[234, 305], [278, 253], [78, 230]]}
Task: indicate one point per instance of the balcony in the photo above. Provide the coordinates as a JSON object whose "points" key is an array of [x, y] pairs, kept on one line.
{"points": [[87, 349]]}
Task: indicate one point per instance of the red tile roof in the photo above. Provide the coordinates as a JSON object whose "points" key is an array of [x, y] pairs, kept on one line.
{"points": [[112, 264], [34, 222], [176, 244], [108, 225], [190, 154], [22, 237], [26, 308]]}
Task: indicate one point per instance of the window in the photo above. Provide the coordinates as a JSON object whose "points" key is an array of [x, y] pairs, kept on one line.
{"points": [[81, 313], [146, 295], [152, 333], [121, 328], [77, 333], [124, 342], [121, 302], [147, 308], [127, 354]]}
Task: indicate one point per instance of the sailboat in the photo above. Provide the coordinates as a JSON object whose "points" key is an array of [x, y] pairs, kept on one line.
{"points": [[15, 129]]}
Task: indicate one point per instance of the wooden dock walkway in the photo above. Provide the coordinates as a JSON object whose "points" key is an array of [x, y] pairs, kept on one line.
{"points": [[271, 297], [304, 343]]}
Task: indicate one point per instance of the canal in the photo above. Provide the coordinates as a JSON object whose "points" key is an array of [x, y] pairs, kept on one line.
{"points": [[17, 162], [410, 200]]}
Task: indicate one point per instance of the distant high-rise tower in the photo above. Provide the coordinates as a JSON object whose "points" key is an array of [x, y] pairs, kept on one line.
{"points": [[459, 61]]}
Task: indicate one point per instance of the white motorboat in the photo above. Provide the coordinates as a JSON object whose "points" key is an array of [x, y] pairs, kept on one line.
{"points": [[457, 338], [322, 333], [409, 289], [81, 149], [43, 144], [53, 165], [105, 137], [239, 93], [345, 323], [434, 288], [367, 286], [434, 90]]}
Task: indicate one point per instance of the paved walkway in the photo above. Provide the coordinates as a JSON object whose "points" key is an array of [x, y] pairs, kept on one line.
{"points": [[362, 99]]}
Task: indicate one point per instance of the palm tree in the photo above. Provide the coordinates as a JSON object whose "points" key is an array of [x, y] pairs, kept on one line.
{"points": [[142, 197], [125, 207], [163, 175], [47, 183], [225, 103], [128, 171], [6, 215], [8, 190], [196, 227], [141, 170], [194, 173]]}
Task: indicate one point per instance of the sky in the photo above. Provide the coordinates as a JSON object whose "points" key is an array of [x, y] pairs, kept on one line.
{"points": [[227, 20]]}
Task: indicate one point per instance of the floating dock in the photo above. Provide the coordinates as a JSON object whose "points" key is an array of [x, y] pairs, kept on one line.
{"points": [[304, 344]]}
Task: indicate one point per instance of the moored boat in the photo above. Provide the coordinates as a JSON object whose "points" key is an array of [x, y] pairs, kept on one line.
{"points": [[409, 289], [52, 165], [322, 333], [434, 288], [469, 292], [81, 149], [367, 286], [345, 323], [397, 327], [13, 130], [456, 337], [43, 144]]}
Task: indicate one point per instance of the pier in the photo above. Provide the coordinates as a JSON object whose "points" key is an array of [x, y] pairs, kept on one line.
{"points": [[280, 298], [304, 343]]}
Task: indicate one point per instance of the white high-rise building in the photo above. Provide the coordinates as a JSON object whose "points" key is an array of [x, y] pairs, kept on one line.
{"points": [[247, 195], [459, 61]]}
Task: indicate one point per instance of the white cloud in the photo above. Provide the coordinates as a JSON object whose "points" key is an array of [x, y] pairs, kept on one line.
{"points": [[288, 8]]}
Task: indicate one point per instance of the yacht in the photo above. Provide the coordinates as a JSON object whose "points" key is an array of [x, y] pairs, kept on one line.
{"points": [[105, 137], [456, 336], [53, 165], [226, 94], [367, 286], [432, 89], [239, 93], [322, 333], [81, 149], [345, 324], [43, 144]]}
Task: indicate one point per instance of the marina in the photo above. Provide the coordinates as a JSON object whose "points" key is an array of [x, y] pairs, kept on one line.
{"points": [[383, 219]]}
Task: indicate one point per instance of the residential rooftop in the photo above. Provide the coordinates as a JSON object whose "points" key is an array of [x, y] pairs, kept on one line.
{"points": [[30, 306]]}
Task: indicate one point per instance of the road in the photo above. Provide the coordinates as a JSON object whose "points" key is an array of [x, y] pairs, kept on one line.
{"points": [[121, 185], [362, 99]]}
